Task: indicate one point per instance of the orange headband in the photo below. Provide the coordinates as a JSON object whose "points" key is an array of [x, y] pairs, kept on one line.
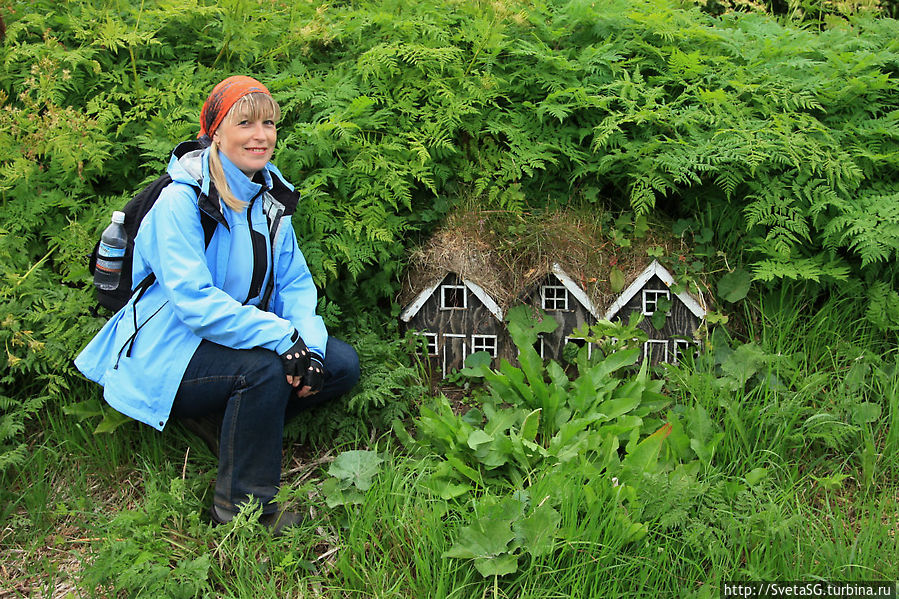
{"points": [[222, 98]]}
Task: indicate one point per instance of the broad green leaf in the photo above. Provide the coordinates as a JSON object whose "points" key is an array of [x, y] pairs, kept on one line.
{"points": [[832, 482], [531, 425], [678, 440], [335, 494], [489, 536], [756, 475], [734, 286], [705, 450], [869, 462], [660, 315], [524, 325], [622, 426], [658, 319], [606, 452], [478, 438], [111, 421], [616, 280], [557, 377], [613, 408], [356, 467], [634, 531], [614, 363], [857, 375], [473, 417], [699, 425], [583, 394], [477, 364], [500, 420], [496, 566], [496, 453], [866, 413], [446, 489], [536, 531], [744, 362], [83, 410], [644, 455], [532, 366], [403, 435], [512, 379], [464, 469]]}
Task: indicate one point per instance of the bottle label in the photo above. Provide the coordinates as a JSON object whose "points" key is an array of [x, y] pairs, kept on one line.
{"points": [[109, 259]]}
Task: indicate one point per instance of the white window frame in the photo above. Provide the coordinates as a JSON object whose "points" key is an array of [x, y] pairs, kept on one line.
{"points": [[479, 343], [556, 299], [432, 343], [541, 351], [682, 343], [662, 342], [460, 288], [651, 298]]}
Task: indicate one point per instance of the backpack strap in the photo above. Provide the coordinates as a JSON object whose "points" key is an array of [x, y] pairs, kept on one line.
{"points": [[207, 222]]}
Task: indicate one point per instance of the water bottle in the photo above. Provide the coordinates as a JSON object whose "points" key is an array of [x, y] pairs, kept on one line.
{"points": [[111, 254]]}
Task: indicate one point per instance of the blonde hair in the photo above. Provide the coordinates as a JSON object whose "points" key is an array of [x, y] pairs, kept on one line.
{"points": [[256, 105]]}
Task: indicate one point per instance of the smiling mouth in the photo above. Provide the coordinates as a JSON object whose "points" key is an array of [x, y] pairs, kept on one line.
{"points": [[257, 150]]}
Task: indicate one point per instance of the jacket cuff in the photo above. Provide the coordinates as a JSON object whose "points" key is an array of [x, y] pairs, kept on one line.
{"points": [[286, 343]]}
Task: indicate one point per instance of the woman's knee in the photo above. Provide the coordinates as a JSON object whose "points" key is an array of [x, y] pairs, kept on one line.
{"points": [[262, 362], [341, 365], [263, 368]]}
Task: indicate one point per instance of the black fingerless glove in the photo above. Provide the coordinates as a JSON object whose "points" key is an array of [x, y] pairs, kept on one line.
{"points": [[315, 374], [296, 359]]}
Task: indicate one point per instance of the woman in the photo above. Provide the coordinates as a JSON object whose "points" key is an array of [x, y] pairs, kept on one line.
{"points": [[228, 327]]}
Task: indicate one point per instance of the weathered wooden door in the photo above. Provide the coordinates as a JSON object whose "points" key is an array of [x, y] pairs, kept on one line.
{"points": [[455, 349]]}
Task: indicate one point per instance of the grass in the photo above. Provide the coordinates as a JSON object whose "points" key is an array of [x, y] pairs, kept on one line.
{"points": [[803, 485]]}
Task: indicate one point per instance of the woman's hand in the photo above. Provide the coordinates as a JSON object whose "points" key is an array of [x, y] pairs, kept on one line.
{"points": [[305, 391], [296, 360], [313, 380]]}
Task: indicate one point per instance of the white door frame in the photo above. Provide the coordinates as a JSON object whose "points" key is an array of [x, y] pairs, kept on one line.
{"points": [[446, 338]]}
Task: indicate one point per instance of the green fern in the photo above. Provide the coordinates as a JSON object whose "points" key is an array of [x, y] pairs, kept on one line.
{"points": [[869, 227]]}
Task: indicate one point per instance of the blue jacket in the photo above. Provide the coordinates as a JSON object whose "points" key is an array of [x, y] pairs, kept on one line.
{"points": [[140, 355]]}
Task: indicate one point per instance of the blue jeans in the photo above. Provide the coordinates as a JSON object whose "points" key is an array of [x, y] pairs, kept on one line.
{"points": [[247, 388]]}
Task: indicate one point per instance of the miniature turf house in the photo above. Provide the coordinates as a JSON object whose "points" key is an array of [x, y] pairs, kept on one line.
{"points": [[457, 318], [650, 292], [459, 289], [559, 296]]}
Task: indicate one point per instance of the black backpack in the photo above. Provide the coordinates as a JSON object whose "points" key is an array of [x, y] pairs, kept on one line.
{"points": [[135, 211]]}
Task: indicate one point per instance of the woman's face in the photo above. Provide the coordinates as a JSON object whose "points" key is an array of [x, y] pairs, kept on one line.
{"points": [[248, 142]]}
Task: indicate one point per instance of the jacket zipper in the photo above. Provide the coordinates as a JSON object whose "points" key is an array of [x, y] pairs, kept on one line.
{"points": [[260, 257]]}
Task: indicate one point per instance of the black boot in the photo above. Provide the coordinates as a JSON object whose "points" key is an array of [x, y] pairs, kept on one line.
{"points": [[276, 522]]}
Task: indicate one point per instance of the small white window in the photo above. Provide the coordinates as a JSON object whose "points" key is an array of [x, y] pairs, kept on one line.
{"points": [[453, 297], [540, 347], [651, 299], [431, 342], [485, 343], [554, 297], [684, 347], [655, 350]]}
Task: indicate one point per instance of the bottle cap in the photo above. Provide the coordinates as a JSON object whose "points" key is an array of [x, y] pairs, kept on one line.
{"points": [[118, 217]]}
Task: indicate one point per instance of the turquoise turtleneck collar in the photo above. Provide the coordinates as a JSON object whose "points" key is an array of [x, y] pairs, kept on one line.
{"points": [[241, 185]]}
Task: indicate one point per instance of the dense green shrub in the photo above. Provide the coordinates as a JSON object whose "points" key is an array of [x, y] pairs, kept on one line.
{"points": [[782, 140]]}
